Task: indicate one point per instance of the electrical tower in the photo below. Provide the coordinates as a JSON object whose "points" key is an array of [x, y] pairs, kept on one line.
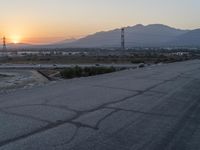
{"points": [[123, 38], [4, 43]]}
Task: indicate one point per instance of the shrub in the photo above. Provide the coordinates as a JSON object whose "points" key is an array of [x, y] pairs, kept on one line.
{"points": [[84, 72]]}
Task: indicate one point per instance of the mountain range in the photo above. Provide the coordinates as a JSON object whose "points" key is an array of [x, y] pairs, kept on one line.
{"points": [[136, 36], [154, 35]]}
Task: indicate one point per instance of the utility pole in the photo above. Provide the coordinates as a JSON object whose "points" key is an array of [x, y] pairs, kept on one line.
{"points": [[4, 43], [123, 38]]}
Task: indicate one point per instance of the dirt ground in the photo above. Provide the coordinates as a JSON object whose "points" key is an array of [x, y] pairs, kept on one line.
{"points": [[14, 79]]}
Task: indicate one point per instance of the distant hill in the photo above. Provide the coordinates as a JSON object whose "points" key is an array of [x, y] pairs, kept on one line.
{"points": [[135, 36], [63, 43], [18, 45], [139, 35], [191, 38], [70, 40]]}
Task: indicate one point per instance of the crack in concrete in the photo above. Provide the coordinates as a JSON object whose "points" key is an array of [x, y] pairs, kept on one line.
{"points": [[46, 105], [78, 114], [164, 143], [97, 125], [24, 116], [43, 129], [117, 88], [104, 118], [70, 140], [143, 112]]}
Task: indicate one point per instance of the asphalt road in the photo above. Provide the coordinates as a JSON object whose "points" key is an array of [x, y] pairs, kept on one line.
{"points": [[152, 108]]}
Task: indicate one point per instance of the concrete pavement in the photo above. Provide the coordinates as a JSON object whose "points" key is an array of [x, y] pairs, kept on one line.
{"points": [[153, 108]]}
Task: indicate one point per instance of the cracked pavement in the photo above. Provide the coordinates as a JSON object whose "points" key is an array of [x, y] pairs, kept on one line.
{"points": [[153, 108]]}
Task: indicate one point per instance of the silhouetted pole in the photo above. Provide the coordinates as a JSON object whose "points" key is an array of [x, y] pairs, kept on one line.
{"points": [[123, 38], [4, 43]]}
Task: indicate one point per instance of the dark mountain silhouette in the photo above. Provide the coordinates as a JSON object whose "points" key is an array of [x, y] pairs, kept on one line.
{"points": [[136, 36], [18, 45], [191, 38], [69, 40], [139, 35]]}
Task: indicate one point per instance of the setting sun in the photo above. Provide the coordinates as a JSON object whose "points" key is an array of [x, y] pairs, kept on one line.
{"points": [[15, 39]]}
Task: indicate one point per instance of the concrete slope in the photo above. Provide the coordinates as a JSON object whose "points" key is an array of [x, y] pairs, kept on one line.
{"points": [[154, 108]]}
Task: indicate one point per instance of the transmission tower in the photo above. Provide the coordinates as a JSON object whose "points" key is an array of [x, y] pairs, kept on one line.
{"points": [[4, 43], [123, 38]]}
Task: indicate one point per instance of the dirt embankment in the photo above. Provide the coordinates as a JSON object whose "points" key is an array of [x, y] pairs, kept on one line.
{"points": [[14, 79]]}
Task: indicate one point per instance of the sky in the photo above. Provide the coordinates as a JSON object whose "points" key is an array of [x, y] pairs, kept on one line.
{"points": [[44, 21]]}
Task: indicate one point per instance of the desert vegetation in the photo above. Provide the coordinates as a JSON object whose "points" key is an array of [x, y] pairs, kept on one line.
{"points": [[70, 73]]}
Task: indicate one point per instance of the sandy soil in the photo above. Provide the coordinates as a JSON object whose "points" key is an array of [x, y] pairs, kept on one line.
{"points": [[14, 79]]}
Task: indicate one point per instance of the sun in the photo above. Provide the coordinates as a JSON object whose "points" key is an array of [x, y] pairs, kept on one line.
{"points": [[16, 39]]}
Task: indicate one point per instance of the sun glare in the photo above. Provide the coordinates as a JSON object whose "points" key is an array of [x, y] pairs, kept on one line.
{"points": [[15, 39]]}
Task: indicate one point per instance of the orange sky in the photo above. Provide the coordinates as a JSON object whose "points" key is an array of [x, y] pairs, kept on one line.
{"points": [[44, 21]]}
